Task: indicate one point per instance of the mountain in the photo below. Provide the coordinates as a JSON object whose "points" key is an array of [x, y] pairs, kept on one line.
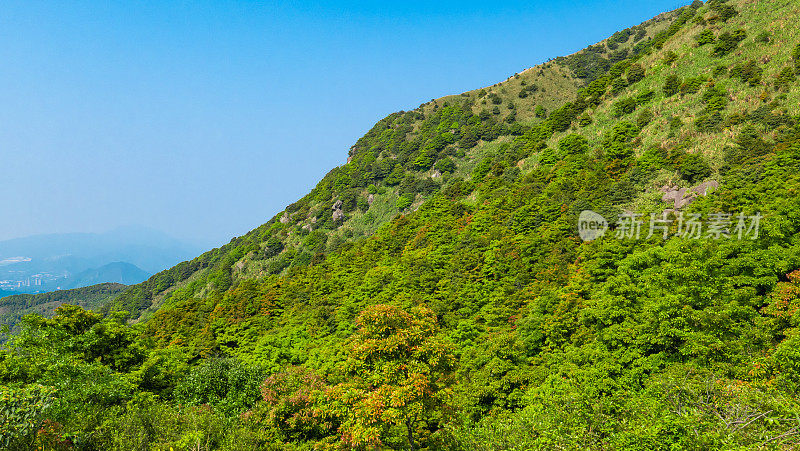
{"points": [[45, 262], [116, 272], [599, 252]]}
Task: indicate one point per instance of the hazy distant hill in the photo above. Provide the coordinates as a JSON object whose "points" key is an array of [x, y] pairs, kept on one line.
{"points": [[117, 272], [49, 262]]}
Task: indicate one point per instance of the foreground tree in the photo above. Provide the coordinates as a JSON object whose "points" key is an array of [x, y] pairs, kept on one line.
{"points": [[396, 380]]}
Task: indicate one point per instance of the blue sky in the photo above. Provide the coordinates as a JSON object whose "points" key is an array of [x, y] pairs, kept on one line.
{"points": [[203, 119]]}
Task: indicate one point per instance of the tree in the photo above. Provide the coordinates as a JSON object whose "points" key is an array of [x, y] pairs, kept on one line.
{"points": [[635, 73], [397, 378], [728, 41], [705, 37], [573, 144], [672, 85]]}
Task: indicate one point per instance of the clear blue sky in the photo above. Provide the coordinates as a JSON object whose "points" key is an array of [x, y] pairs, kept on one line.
{"points": [[205, 118]]}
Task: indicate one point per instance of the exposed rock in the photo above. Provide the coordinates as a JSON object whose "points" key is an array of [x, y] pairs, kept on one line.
{"points": [[337, 210], [704, 188], [681, 197], [285, 218], [370, 199], [349, 159], [435, 174]]}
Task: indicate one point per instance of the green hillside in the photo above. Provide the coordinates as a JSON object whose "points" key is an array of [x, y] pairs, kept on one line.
{"points": [[14, 307], [435, 292]]}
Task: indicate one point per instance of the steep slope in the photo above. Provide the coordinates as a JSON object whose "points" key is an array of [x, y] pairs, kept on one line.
{"points": [[404, 159], [478, 318]]}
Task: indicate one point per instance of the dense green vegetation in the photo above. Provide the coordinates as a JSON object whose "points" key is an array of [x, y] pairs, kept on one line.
{"points": [[14, 307], [433, 293]]}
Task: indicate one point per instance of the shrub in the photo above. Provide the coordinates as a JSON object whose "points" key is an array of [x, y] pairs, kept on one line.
{"points": [[618, 85], [692, 85], [705, 37], [540, 112], [445, 165], [748, 72], [727, 42], [672, 85], [573, 144], [584, 120], [635, 73], [226, 384], [644, 118], [21, 415], [720, 71], [763, 37], [723, 10], [404, 201], [670, 57], [693, 167], [624, 107], [562, 118], [785, 78]]}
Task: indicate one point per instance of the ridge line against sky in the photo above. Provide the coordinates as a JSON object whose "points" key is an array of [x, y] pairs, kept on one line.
{"points": [[204, 119]]}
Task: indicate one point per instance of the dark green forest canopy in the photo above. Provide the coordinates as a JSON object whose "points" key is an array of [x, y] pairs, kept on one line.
{"points": [[434, 292]]}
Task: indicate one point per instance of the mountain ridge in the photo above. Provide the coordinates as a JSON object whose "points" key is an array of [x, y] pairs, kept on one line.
{"points": [[436, 292]]}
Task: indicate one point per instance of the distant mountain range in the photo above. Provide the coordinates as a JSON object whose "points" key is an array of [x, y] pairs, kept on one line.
{"points": [[126, 255]]}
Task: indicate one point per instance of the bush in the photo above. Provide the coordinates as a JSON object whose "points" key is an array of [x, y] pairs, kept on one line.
{"points": [[404, 201], [573, 144], [692, 85], [784, 79], [540, 112], [624, 107], [672, 85], [445, 165], [644, 118], [693, 167], [727, 42], [670, 57], [635, 73], [723, 10], [618, 85], [748, 72], [226, 384], [705, 37], [22, 414]]}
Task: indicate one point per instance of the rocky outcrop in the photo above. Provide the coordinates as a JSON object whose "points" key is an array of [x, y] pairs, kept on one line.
{"points": [[681, 197], [285, 218], [337, 210], [370, 199]]}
